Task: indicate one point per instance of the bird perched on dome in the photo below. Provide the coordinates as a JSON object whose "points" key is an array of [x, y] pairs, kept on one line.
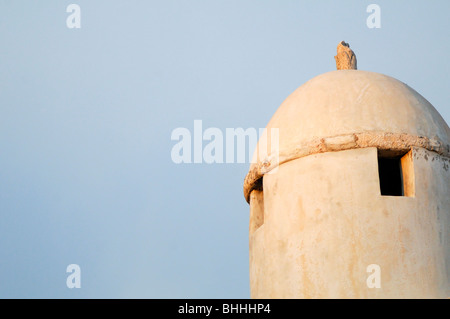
{"points": [[345, 58]]}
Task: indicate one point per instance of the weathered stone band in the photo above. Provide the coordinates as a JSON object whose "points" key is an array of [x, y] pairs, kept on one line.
{"points": [[392, 142]]}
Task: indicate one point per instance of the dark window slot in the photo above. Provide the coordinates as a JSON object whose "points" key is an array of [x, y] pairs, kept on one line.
{"points": [[391, 176]]}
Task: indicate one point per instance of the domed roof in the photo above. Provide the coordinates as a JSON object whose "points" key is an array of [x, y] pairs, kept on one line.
{"points": [[346, 109]]}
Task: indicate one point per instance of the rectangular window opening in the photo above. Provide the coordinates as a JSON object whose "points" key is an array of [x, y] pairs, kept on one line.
{"points": [[256, 207], [396, 174]]}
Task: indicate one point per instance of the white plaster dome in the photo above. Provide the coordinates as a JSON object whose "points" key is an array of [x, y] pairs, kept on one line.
{"points": [[347, 109]]}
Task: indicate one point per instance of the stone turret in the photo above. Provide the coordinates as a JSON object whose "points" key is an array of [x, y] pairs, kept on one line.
{"points": [[359, 177]]}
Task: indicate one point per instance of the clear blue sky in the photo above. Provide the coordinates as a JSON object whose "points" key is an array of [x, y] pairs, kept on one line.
{"points": [[86, 116]]}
